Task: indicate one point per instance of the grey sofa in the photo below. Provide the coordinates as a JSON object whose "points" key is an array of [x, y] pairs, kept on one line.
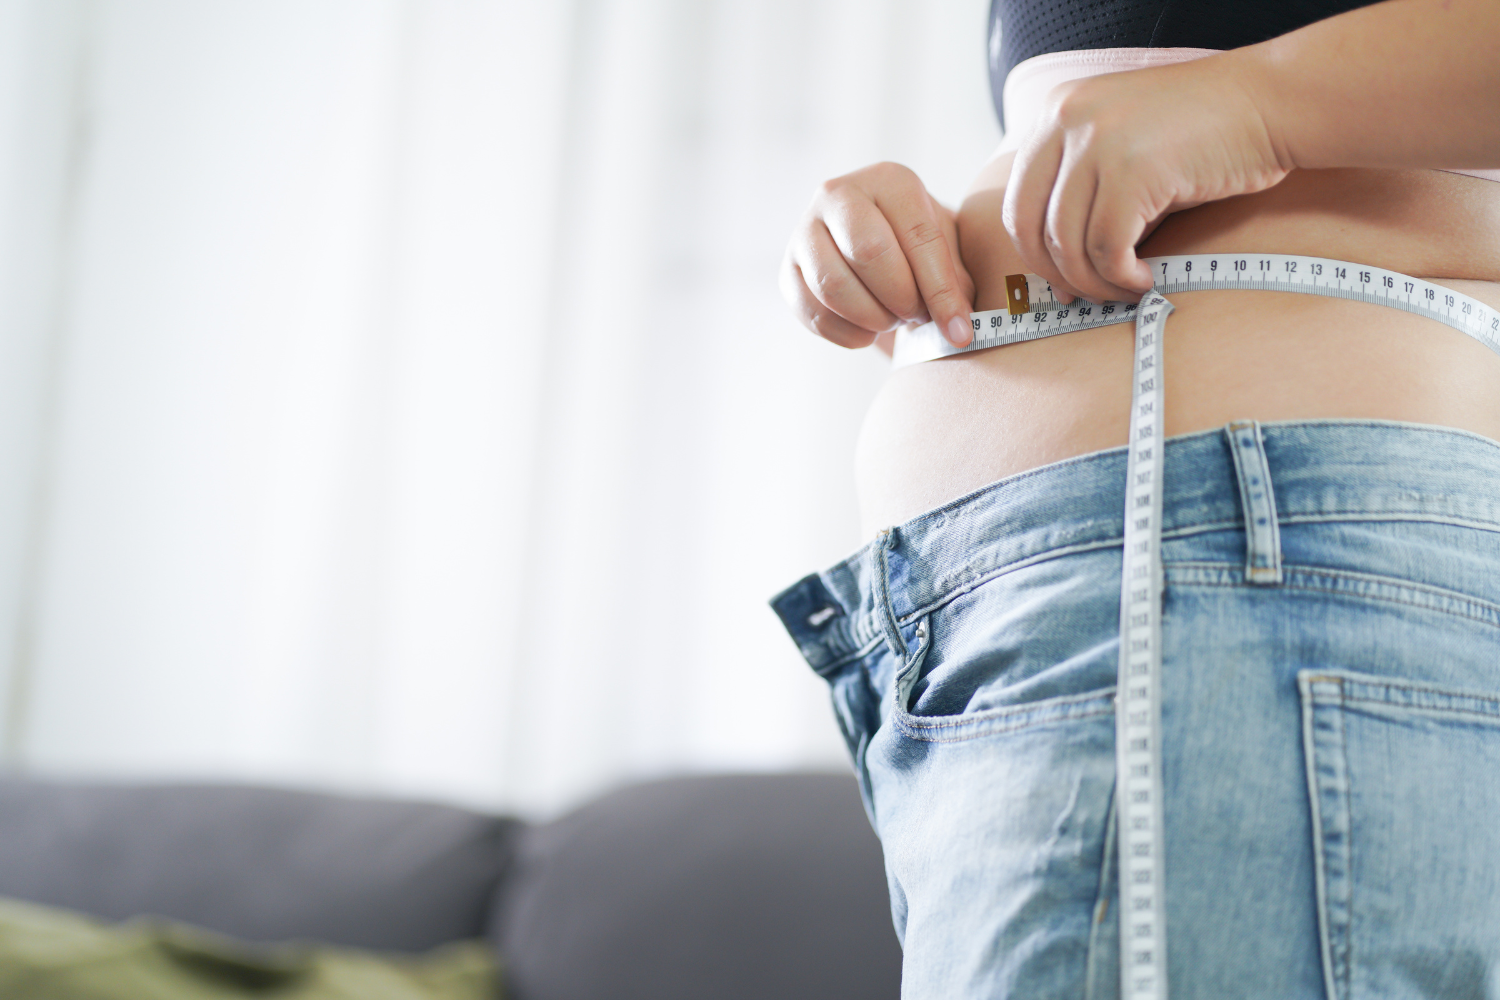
{"points": [[727, 887]]}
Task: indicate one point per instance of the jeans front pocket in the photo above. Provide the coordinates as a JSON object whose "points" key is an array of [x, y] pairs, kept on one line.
{"points": [[1038, 645], [1402, 778], [993, 779]]}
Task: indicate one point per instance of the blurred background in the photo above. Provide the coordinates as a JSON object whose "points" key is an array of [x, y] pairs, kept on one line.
{"points": [[395, 395]]}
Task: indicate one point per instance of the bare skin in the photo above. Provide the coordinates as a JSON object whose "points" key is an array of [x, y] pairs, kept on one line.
{"points": [[942, 429], [1321, 142]]}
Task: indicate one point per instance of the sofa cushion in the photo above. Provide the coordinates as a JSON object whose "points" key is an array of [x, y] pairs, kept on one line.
{"points": [[259, 864], [747, 886]]}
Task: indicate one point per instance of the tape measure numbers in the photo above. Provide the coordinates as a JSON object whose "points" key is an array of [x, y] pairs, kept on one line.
{"points": [[1034, 313], [1138, 784]]}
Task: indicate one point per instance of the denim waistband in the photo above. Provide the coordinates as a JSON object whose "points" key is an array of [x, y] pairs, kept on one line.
{"points": [[1323, 470]]}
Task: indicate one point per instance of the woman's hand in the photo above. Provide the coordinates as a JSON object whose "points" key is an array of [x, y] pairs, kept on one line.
{"points": [[876, 251], [1113, 155]]}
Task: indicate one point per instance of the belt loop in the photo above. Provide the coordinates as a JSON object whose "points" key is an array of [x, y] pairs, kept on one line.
{"points": [[1257, 502], [884, 542], [908, 661]]}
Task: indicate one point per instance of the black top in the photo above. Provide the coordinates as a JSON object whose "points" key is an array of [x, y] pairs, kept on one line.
{"points": [[1020, 29]]}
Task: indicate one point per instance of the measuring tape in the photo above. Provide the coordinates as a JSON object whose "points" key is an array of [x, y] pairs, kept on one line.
{"points": [[1033, 313], [1031, 316]]}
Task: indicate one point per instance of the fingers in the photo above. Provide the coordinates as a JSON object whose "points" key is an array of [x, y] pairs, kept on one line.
{"points": [[950, 232], [1024, 212], [1114, 231], [1088, 230], [1067, 217], [929, 244], [965, 281], [1091, 234], [816, 316], [831, 276], [876, 250], [862, 236]]}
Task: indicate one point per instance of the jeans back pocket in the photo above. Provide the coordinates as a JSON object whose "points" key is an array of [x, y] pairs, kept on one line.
{"points": [[1404, 782]]}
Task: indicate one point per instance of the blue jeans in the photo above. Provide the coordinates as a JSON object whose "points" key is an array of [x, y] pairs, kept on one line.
{"points": [[1330, 711]]}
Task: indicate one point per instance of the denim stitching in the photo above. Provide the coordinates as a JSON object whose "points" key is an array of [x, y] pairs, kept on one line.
{"points": [[1404, 516], [1252, 473], [965, 723], [1058, 702], [858, 654], [1355, 681], [961, 587], [1297, 577], [1231, 575], [951, 587], [1314, 795], [1349, 689], [991, 574], [1335, 896], [1277, 429], [1489, 613], [951, 590], [988, 573], [976, 569], [1061, 709], [1280, 427], [1098, 918], [1346, 799], [887, 611], [1492, 717]]}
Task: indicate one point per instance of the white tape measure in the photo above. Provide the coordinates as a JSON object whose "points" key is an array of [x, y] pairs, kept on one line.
{"points": [[1034, 313]]}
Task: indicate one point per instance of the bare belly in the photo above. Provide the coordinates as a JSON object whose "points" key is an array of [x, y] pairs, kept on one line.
{"points": [[945, 428]]}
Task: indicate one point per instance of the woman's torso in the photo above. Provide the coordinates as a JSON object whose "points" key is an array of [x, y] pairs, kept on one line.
{"points": [[942, 429]]}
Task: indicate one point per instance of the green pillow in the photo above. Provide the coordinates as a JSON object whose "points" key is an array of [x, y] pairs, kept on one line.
{"points": [[52, 954]]}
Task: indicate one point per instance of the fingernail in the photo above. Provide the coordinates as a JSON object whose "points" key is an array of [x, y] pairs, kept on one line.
{"points": [[958, 331]]}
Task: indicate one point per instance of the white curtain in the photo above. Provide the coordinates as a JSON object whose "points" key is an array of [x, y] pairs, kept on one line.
{"points": [[396, 396]]}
